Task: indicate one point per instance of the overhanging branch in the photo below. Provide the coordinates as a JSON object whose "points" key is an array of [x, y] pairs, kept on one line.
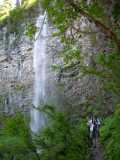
{"points": [[106, 30]]}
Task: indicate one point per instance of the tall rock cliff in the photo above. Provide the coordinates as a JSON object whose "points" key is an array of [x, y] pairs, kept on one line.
{"points": [[67, 87], [16, 59]]}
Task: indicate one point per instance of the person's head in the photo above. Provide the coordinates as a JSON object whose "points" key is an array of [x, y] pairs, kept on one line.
{"points": [[90, 115], [94, 122]]}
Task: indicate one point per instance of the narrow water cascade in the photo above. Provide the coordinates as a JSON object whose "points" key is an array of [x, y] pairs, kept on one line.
{"points": [[39, 64]]}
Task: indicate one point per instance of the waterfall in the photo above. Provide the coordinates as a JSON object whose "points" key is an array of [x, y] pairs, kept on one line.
{"points": [[39, 64]]}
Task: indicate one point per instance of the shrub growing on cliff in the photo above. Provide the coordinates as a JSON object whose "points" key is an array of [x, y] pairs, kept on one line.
{"points": [[30, 30], [62, 139]]}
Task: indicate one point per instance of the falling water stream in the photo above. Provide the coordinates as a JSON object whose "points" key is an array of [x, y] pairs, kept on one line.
{"points": [[39, 64]]}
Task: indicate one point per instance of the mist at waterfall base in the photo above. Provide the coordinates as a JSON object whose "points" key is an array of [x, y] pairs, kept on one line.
{"points": [[39, 63]]}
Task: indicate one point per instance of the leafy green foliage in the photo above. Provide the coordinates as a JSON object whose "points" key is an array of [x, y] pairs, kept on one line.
{"points": [[111, 68], [71, 54], [4, 10], [20, 87], [62, 139], [116, 10], [96, 10], [118, 32], [110, 136], [30, 30], [15, 138], [60, 14], [14, 17]]}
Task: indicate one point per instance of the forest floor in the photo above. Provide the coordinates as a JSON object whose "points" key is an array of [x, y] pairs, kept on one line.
{"points": [[96, 152]]}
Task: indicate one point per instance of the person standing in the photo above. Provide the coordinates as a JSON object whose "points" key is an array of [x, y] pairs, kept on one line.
{"points": [[95, 133], [90, 126]]}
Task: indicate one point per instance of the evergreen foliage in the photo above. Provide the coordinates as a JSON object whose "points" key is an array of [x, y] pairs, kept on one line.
{"points": [[7, 10], [14, 17], [15, 139], [62, 139], [110, 136]]}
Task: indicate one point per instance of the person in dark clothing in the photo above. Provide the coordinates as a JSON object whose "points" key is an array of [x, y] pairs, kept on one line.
{"points": [[98, 123], [95, 133]]}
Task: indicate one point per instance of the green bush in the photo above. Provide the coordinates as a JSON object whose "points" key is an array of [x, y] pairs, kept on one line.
{"points": [[15, 139], [62, 139], [110, 136]]}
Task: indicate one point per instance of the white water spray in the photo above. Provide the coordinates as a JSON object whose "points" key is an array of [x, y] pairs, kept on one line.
{"points": [[39, 64]]}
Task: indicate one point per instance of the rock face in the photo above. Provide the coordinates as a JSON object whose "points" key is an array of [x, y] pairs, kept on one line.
{"points": [[73, 88], [16, 69], [81, 89], [17, 75], [62, 88]]}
